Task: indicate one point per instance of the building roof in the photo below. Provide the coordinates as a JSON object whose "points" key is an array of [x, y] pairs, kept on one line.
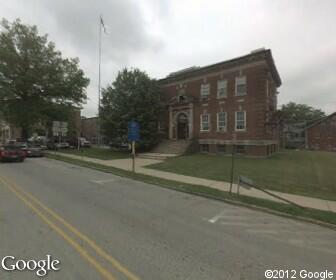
{"points": [[321, 120], [257, 55]]}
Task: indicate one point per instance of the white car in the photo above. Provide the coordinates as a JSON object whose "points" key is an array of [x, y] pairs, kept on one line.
{"points": [[62, 145], [83, 142]]}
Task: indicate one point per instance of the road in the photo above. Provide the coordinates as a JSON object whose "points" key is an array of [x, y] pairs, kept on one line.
{"points": [[101, 226]]}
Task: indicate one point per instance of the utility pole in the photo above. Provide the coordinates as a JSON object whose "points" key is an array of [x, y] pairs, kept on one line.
{"points": [[99, 81]]}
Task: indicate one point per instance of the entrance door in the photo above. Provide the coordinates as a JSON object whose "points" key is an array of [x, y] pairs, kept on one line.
{"points": [[182, 126]]}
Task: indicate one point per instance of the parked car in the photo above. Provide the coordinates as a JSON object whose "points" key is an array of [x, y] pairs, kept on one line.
{"points": [[34, 151], [21, 145], [84, 143], [12, 153], [57, 145], [119, 143], [63, 145]]}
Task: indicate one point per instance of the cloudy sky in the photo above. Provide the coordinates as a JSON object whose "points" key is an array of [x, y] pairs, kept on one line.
{"points": [[162, 36]]}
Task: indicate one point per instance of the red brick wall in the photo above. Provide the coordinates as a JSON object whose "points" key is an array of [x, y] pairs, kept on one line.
{"points": [[323, 135], [89, 129], [256, 104]]}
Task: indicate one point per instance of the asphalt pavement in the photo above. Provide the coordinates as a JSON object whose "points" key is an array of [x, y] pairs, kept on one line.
{"points": [[101, 226]]}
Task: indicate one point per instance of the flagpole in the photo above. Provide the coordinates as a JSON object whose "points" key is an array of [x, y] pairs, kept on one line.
{"points": [[99, 83]]}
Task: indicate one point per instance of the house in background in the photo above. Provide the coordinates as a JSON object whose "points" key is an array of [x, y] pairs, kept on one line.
{"points": [[321, 135], [231, 102], [8, 132], [294, 134]]}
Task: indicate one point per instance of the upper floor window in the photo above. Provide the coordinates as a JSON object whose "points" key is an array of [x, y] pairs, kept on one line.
{"points": [[241, 86], [240, 121], [222, 88], [221, 121], [205, 90], [205, 122]]}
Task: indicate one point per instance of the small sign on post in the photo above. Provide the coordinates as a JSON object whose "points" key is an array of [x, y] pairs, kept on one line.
{"points": [[133, 136]]}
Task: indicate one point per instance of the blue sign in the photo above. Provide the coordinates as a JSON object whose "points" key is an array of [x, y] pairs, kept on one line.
{"points": [[133, 131]]}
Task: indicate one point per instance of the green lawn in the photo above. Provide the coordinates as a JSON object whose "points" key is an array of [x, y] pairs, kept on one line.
{"points": [[300, 172], [99, 153]]}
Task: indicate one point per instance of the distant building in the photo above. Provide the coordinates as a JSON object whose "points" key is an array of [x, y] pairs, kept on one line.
{"points": [[294, 134], [231, 102], [321, 135], [89, 129], [5, 132], [8, 132]]}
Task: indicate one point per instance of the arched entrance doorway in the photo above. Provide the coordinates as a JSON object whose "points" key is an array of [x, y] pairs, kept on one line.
{"points": [[182, 126]]}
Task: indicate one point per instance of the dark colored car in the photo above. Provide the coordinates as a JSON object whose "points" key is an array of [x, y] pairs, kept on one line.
{"points": [[34, 151], [119, 143], [12, 153]]}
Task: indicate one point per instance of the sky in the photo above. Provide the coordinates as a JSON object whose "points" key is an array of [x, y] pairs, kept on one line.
{"points": [[161, 36]]}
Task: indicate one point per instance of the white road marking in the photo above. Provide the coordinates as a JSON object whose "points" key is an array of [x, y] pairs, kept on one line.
{"points": [[217, 217], [101, 182]]}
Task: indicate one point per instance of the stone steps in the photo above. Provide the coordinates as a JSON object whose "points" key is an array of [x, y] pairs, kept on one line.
{"points": [[172, 147]]}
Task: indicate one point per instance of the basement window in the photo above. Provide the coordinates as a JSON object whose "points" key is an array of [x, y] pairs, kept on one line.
{"points": [[204, 148]]}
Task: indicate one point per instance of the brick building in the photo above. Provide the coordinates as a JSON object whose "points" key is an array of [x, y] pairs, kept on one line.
{"points": [[321, 135], [231, 102], [90, 129]]}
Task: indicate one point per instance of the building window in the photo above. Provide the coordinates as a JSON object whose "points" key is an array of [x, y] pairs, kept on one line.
{"points": [[221, 121], [222, 89], [241, 86], [204, 148], [205, 90], [205, 122], [240, 149], [221, 149], [240, 120]]}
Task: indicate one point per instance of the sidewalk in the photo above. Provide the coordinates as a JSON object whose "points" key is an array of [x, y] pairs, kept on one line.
{"points": [[141, 163]]}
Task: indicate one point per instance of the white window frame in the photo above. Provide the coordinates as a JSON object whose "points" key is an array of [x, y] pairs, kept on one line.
{"points": [[220, 87], [236, 121], [205, 88], [222, 128], [241, 80], [201, 123]]}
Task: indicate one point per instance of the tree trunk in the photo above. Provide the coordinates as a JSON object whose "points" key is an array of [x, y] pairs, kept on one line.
{"points": [[24, 133]]}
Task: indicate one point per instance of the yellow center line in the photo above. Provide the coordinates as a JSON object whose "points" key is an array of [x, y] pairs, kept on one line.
{"points": [[115, 263], [105, 273]]}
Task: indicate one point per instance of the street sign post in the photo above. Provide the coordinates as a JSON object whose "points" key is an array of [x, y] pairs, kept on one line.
{"points": [[234, 139], [133, 136]]}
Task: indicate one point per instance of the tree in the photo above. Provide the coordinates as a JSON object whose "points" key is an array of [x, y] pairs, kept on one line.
{"points": [[132, 96], [35, 81], [293, 112]]}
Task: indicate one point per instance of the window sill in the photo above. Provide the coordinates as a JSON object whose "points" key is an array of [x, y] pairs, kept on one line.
{"points": [[204, 131]]}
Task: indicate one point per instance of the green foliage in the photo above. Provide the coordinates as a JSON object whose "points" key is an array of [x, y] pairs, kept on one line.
{"points": [[132, 96], [293, 112], [35, 81]]}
